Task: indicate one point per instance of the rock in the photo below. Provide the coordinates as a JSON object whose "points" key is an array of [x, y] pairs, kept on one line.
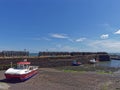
{"points": [[4, 86]]}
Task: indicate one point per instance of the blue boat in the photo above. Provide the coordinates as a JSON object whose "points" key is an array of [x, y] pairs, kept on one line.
{"points": [[76, 63]]}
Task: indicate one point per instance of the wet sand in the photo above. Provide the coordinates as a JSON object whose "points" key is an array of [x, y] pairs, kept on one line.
{"points": [[52, 79]]}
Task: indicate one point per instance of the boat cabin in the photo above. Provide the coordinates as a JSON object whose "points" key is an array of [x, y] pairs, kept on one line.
{"points": [[23, 65]]}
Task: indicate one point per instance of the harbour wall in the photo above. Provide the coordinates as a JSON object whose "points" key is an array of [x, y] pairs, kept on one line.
{"points": [[52, 61]]}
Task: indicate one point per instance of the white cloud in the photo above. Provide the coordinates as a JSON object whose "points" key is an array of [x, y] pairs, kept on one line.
{"points": [[44, 38], [104, 36], [80, 39], [107, 27], [69, 48], [47, 39], [105, 45], [61, 36], [59, 46], [63, 48], [71, 40], [117, 32]]}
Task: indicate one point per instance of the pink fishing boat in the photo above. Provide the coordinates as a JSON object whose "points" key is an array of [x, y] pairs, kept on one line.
{"points": [[23, 71]]}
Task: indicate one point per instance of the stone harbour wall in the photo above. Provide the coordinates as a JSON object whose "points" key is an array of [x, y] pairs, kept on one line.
{"points": [[52, 61]]}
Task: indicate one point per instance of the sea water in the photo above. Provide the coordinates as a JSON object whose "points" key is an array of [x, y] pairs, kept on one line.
{"points": [[111, 63]]}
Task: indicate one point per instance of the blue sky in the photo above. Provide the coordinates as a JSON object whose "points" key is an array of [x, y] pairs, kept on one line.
{"points": [[60, 25]]}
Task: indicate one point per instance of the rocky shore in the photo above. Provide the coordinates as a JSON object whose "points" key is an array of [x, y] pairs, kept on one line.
{"points": [[54, 79]]}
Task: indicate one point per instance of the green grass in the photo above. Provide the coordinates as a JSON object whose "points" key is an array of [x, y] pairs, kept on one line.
{"points": [[74, 71], [86, 68], [106, 85], [103, 72]]}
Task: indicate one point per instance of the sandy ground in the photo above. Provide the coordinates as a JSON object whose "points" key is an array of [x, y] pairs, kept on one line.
{"points": [[52, 79]]}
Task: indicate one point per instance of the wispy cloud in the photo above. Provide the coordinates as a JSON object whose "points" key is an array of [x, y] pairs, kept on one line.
{"points": [[107, 27], [43, 38], [117, 32], [69, 48], [60, 36], [65, 36], [105, 45], [71, 40], [36, 38], [60, 47], [104, 36], [80, 39]]}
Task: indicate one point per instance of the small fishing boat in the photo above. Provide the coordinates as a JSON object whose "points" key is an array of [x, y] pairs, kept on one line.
{"points": [[23, 71], [93, 61], [76, 63]]}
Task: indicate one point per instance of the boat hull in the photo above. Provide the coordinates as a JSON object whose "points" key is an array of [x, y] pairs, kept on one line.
{"points": [[21, 77]]}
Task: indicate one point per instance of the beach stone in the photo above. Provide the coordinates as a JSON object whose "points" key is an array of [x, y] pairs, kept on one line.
{"points": [[4, 86]]}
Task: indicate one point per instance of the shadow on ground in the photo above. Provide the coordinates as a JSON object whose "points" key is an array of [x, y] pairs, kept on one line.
{"points": [[11, 81]]}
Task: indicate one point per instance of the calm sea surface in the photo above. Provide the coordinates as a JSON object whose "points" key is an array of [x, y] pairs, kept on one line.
{"points": [[33, 54], [112, 63]]}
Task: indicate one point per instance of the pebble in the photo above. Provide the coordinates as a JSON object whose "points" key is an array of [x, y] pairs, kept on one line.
{"points": [[4, 86]]}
